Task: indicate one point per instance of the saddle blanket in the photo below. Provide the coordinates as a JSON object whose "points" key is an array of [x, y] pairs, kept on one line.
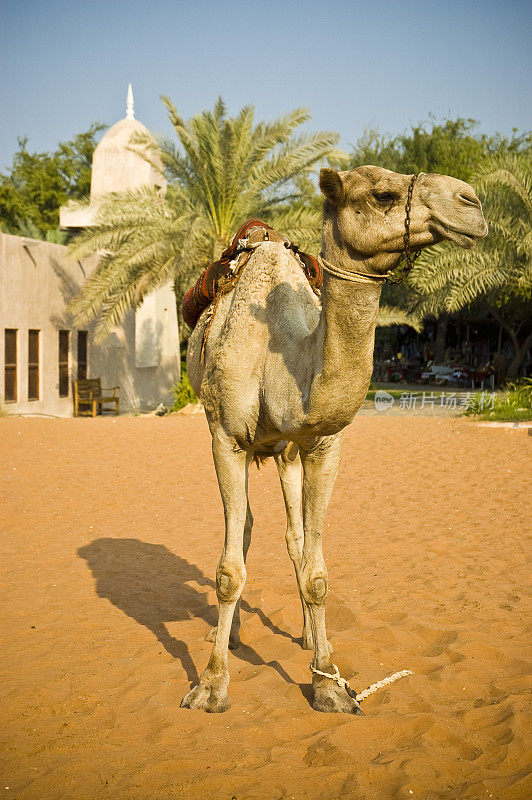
{"points": [[221, 273]]}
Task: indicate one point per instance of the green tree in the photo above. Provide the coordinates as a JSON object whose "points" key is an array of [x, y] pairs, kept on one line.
{"points": [[497, 274], [220, 171], [451, 147], [37, 184]]}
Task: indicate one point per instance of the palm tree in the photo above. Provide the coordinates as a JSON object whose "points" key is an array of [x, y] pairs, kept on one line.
{"points": [[221, 171], [498, 272]]}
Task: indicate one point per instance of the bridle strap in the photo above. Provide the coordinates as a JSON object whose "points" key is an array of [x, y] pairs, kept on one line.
{"points": [[406, 254]]}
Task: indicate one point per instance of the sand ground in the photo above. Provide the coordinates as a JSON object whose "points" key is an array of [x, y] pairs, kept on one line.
{"points": [[110, 535]]}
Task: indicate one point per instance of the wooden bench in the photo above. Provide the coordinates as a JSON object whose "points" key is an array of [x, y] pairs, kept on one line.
{"points": [[89, 393]]}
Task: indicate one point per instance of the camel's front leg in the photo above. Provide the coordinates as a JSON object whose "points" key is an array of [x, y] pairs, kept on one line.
{"points": [[320, 467], [232, 470], [234, 636], [289, 467]]}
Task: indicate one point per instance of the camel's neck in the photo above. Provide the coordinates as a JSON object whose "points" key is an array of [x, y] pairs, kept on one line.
{"points": [[345, 337]]}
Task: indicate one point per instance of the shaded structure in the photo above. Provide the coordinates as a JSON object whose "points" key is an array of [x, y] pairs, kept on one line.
{"points": [[42, 352]]}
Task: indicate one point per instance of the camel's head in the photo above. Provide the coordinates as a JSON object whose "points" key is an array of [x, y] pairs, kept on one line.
{"points": [[364, 213]]}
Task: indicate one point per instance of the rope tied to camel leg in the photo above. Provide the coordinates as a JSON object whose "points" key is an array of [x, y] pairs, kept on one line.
{"points": [[342, 683], [359, 696]]}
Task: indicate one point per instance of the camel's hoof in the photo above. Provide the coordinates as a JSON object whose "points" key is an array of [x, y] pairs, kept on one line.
{"points": [[234, 639], [208, 697], [333, 699]]}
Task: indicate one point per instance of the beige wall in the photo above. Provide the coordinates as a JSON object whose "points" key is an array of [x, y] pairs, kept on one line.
{"points": [[142, 388], [37, 281]]}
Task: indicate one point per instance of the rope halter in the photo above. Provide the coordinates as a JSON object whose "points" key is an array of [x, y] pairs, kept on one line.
{"points": [[406, 253], [359, 696]]}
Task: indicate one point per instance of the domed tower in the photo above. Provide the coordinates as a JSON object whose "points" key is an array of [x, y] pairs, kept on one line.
{"points": [[141, 354], [116, 168]]}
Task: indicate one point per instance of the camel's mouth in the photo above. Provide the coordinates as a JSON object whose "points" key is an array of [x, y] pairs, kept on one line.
{"points": [[461, 238]]}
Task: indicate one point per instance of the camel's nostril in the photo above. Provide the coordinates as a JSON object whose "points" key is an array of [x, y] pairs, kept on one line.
{"points": [[469, 198]]}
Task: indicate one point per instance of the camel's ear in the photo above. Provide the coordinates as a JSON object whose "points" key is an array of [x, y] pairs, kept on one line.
{"points": [[332, 186]]}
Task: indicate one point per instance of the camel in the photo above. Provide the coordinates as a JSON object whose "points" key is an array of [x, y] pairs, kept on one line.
{"points": [[282, 374]]}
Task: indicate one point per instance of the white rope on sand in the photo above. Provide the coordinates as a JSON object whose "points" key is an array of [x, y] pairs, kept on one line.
{"points": [[371, 689]]}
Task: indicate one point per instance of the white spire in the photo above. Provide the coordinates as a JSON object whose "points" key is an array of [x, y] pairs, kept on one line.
{"points": [[130, 110]]}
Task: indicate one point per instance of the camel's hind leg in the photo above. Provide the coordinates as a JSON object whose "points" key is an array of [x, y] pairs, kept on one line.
{"points": [[232, 467], [320, 467], [234, 636], [289, 467]]}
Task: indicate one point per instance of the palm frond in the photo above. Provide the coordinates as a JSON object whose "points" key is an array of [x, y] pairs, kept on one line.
{"points": [[448, 279], [388, 315]]}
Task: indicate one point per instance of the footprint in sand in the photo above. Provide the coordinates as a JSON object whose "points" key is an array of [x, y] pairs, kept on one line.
{"points": [[440, 644], [443, 737]]}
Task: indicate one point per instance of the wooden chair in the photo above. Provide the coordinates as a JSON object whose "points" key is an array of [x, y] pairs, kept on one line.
{"points": [[88, 393]]}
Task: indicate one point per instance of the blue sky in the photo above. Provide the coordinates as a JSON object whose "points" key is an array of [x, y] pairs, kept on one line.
{"points": [[355, 64]]}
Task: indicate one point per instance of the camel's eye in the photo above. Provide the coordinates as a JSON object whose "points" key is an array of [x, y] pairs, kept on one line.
{"points": [[385, 198]]}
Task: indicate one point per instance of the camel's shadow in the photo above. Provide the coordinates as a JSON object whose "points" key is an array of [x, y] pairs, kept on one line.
{"points": [[152, 586]]}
